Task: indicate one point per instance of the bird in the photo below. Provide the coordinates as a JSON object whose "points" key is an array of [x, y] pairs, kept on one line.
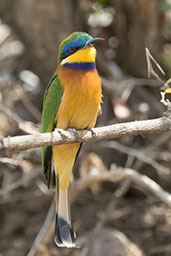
{"points": [[72, 101]]}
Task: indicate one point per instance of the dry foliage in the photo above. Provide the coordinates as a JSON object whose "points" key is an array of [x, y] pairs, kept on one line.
{"points": [[121, 195]]}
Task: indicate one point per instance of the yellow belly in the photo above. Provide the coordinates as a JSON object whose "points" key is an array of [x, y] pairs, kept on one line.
{"points": [[64, 158], [78, 109]]}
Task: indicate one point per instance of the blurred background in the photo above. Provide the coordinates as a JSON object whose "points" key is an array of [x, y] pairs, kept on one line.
{"points": [[110, 218]]}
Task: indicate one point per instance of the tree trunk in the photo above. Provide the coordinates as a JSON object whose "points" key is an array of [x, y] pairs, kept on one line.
{"points": [[137, 24]]}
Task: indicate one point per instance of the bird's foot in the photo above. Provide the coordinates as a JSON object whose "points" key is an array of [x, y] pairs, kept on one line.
{"points": [[1, 140], [92, 132], [61, 132], [73, 130]]}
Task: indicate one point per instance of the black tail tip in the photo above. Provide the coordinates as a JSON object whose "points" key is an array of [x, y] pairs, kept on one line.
{"points": [[64, 234]]}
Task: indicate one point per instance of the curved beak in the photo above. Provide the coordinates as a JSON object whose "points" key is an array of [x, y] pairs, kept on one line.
{"points": [[93, 41]]}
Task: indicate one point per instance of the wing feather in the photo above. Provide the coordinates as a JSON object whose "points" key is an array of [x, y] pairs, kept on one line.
{"points": [[51, 103]]}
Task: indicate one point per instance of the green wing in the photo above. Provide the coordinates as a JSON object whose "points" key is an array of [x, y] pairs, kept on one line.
{"points": [[51, 103]]}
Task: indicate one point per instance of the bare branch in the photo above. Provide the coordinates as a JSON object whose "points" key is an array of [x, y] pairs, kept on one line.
{"points": [[43, 229], [146, 127], [117, 174], [27, 103], [150, 69], [139, 155], [20, 182], [25, 126], [162, 249], [7, 160]]}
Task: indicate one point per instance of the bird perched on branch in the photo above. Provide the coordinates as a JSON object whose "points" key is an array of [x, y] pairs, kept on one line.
{"points": [[72, 101]]}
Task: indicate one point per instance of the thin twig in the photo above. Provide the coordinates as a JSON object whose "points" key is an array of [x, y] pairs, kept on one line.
{"points": [[124, 87], [114, 200], [20, 197], [160, 249], [27, 103], [150, 69], [166, 85], [43, 229], [10, 161], [139, 155], [146, 127], [20, 182], [27, 127]]}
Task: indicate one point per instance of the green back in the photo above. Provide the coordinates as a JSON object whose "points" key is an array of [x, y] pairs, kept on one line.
{"points": [[51, 103]]}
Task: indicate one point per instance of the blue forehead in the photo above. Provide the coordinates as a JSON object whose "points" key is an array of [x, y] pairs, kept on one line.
{"points": [[77, 43]]}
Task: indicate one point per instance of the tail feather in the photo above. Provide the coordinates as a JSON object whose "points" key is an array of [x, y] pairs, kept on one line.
{"points": [[64, 234]]}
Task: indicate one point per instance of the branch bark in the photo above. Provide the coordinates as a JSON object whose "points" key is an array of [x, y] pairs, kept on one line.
{"points": [[146, 127]]}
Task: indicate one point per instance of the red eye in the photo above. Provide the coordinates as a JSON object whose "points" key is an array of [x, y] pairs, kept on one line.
{"points": [[71, 49]]}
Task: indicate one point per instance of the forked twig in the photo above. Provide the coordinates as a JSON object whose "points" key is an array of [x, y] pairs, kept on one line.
{"points": [[150, 69]]}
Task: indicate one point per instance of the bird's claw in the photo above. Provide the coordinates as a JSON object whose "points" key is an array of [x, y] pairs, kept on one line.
{"points": [[73, 130], [61, 132], [92, 132]]}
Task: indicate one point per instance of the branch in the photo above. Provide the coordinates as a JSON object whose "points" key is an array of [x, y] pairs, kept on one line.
{"points": [[43, 229], [117, 174], [25, 126], [20, 182], [19, 143], [139, 155]]}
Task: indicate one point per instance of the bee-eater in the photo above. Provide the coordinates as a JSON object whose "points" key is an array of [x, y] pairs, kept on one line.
{"points": [[72, 101]]}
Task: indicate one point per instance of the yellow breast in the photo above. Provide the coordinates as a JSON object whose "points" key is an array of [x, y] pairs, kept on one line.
{"points": [[81, 99]]}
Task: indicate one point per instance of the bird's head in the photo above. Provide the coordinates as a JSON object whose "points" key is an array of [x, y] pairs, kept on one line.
{"points": [[78, 47]]}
